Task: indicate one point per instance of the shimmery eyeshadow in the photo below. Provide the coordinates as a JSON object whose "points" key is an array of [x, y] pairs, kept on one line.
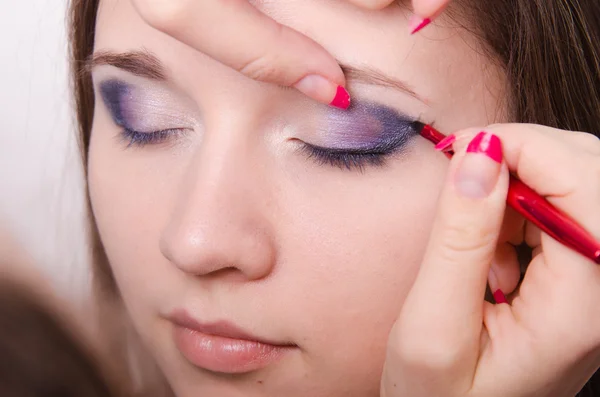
{"points": [[145, 109], [365, 126]]}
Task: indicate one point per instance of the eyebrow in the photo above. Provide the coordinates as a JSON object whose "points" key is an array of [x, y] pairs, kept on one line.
{"points": [[368, 75], [138, 63], [145, 64]]}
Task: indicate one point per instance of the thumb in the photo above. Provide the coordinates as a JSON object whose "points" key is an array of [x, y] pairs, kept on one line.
{"points": [[446, 301], [239, 35]]}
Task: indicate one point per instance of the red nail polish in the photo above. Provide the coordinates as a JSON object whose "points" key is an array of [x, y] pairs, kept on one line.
{"points": [[342, 98], [499, 297], [446, 143], [488, 144], [421, 25]]}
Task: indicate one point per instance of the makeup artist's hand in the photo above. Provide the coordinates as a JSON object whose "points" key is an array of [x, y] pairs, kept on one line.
{"points": [[546, 342], [238, 34], [425, 11]]}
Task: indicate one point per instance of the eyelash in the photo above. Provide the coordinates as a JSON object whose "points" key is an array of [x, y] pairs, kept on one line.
{"points": [[358, 159], [351, 160], [345, 159], [140, 139]]}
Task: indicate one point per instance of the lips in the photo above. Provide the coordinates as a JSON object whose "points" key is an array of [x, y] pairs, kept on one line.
{"points": [[223, 347]]}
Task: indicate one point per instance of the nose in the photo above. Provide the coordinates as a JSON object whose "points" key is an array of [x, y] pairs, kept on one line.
{"points": [[220, 223]]}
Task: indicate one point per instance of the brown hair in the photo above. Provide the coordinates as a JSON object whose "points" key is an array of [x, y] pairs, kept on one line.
{"points": [[549, 50]]}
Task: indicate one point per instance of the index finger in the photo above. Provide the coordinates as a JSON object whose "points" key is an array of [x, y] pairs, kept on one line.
{"points": [[239, 35]]}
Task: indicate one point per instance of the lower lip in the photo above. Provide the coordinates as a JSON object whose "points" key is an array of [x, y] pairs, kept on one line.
{"points": [[225, 355]]}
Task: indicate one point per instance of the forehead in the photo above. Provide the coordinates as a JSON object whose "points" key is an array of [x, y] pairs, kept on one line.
{"points": [[444, 64]]}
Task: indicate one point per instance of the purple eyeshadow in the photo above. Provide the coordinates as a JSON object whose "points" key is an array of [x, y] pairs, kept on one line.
{"points": [[365, 130], [367, 126]]}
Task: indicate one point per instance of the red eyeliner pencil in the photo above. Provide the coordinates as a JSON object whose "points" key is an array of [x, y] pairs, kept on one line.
{"points": [[538, 210]]}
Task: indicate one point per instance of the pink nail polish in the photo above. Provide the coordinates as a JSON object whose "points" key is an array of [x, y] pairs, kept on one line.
{"points": [[446, 143], [417, 23], [342, 98], [488, 144], [499, 297]]}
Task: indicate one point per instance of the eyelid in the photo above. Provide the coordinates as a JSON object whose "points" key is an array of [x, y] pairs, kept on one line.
{"points": [[146, 109], [365, 135], [366, 125]]}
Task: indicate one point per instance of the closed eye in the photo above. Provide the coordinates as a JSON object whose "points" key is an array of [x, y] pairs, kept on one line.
{"points": [[356, 159], [366, 135], [140, 139]]}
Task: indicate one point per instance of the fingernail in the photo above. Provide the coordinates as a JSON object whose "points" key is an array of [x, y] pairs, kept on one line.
{"points": [[478, 173], [488, 144], [499, 297], [416, 23], [341, 99], [446, 143], [323, 90]]}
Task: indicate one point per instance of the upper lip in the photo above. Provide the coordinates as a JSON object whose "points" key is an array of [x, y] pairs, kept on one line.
{"points": [[221, 328]]}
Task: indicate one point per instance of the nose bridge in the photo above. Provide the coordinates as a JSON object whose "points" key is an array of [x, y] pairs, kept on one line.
{"points": [[219, 220]]}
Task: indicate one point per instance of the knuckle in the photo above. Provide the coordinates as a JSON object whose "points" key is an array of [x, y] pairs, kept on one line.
{"points": [[589, 175], [589, 141], [467, 237], [262, 68], [266, 65], [163, 15]]}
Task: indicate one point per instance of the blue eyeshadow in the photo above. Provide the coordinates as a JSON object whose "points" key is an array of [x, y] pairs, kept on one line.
{"points": [[114, 93]]}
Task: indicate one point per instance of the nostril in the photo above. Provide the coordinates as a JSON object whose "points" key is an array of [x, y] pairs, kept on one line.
{"points": [[230, 273], [220, 226], [219, 251]]}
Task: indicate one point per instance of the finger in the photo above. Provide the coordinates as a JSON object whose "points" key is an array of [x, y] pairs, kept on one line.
{"points": [[424, 12], [505, 272], [583, 141], [240, 36], [372, 4], [428, 8], [563, 166], [533, 235], [446, 302], [567, 174], [577, 140], [513, 228]]}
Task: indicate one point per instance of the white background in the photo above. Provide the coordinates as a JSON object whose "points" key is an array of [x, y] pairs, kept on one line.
{"points": [[41, 195]]}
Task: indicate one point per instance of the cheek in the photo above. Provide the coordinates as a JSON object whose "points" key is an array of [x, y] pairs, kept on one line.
{"points": [[130, 202], [357, 246]]}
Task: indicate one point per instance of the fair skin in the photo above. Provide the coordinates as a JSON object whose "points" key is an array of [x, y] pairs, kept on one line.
{"points": [[229, 221], [250, 41]]}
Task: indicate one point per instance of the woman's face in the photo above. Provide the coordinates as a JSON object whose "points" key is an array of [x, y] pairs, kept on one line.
{"points": [[237, 207]]}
